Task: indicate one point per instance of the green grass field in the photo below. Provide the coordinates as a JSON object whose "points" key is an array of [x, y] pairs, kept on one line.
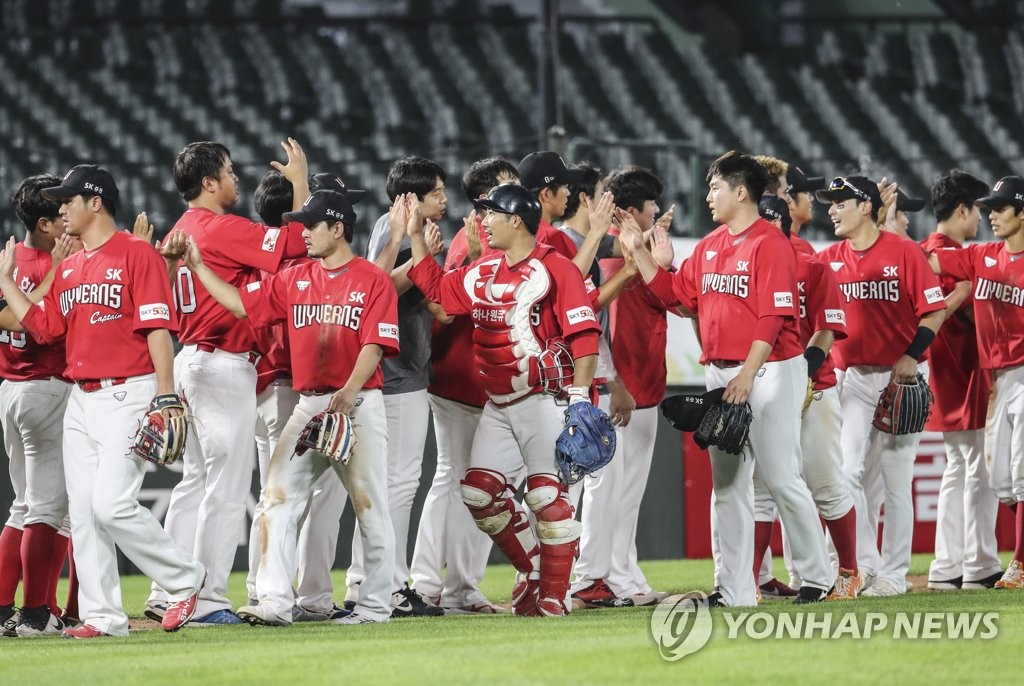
{"points": [[588, 647]]}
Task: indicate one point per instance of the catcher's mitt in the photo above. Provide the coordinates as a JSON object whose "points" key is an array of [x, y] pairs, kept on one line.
{"points": [[725, 425], [903, 408], [161, 439], [587, 442], [329, 433]]}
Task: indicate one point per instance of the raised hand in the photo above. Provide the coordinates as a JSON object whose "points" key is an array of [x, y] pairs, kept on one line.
{"points": [[665, 220], [296, 168], [7, 263], [661, 247], [174, 245], [601, 213], [64, 246], [143, 229], [398, 217], [193, 258], [472, 229], [432, 234]]}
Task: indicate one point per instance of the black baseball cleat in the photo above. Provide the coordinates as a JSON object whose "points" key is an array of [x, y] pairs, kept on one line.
{"points": [[810, 594], [987, 582], [406, 602], [948, 584]]}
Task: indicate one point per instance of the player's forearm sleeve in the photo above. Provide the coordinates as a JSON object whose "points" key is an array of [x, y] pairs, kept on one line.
{"points": [[427, 276], [295, 244], [768, 327], [584, 343], [37, 322], [661, 286]]}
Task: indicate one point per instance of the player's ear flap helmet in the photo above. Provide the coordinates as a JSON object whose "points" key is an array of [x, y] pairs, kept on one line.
{"points": [[512, 198], [332, 182], [684, 412], [772, 208]]}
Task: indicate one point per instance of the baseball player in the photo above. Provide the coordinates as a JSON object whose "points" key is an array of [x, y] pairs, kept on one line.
{"points": [[741, 282], [114, 290], [894, 306], [799, 196], [547, 177], [447, 539], [34, 541], [519, 301], [342, 309], [996, 271], [822, 321], [607, 573], [406, 376], [214, 369]]}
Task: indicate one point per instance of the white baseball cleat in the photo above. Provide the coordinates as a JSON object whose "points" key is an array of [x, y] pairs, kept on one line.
{"points": [[882, 588], [38, 621], [356, 618]]}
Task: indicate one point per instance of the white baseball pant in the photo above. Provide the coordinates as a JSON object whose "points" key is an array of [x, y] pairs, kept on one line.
{"points": [[776, 401], [965, 530], [290, 480], [1004, 435], [447, 537], [879, 467], [103, 481], [32, 418], [407, 415]]}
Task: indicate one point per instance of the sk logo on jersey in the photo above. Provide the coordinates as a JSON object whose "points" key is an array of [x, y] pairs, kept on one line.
{"points": [[357, 297], [890, 271], [743, 266], [270, 240], [113, 274]]}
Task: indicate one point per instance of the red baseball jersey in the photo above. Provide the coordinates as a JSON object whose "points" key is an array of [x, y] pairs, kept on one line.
{"points": [[516, 309], [330, 315], [21, 358], [639, 336], [731, 282], [821, 309], [998, 278], [802, 246], [236, 249], [272, 344], [886, 289], [104, 302], [959, 384]]}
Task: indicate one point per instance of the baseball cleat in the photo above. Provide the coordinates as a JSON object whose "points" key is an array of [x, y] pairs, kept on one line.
{"points": [[948, 585], [551, 607], [9, 618], [882, 588], [988, 582], [356, 618], [595, 595], [302, 614], [406, 602], [178, 613], [82, 632], [1013, 577], [846, 586], [777, 589], [156, 611], [484, 608], [38, 621], [258, 615], [524, 596], [216, 618], [810, 594]]}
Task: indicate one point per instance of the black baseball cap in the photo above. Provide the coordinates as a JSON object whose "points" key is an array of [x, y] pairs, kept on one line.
{"points": [[540, 169], [1008, 190], [799, 182], [85, 179], [684, 412], [773, 207], [332, 182], [324, 206], [906, 203], [511, 198], [858, 188]]}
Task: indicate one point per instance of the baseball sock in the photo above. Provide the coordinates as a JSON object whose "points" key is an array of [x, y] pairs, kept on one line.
{"points": [[10, 563], [36, 552], [1018, 551], [844, 537], [60, 552], [762, 538]]}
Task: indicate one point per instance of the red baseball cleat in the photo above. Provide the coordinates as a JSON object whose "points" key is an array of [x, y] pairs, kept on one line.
{"points": [[178, 614], [83, 631]]}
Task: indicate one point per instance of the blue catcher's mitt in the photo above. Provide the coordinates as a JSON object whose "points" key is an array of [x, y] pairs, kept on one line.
{"points": [[587, 443]]}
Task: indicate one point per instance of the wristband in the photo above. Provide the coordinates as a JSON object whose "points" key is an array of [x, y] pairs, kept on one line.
{"points": [[922, 339], [815, 356], [578, 394]]}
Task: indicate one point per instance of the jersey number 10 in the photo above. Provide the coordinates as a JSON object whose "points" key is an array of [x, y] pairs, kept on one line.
{"points": [[184, 291]]}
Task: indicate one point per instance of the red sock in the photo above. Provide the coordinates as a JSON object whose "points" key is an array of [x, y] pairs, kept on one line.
{"points": [[60, 552], [844, 536], [10, 564], [36, 556], [1018, 551], [762, 538], [71, 609]]}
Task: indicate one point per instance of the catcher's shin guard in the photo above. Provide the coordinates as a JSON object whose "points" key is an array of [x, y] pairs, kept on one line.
{"points": [[559, 535], [489, 499]]}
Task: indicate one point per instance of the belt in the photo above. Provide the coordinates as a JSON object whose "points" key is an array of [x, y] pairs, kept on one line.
{"points": [[318, 391], [725, 364], [90, 385], [207, 348]]}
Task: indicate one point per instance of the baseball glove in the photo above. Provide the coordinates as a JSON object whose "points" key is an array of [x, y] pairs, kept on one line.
{"points": [[725, 425], [161, 439], [586, 444], [329, 433], [903, 408]]}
